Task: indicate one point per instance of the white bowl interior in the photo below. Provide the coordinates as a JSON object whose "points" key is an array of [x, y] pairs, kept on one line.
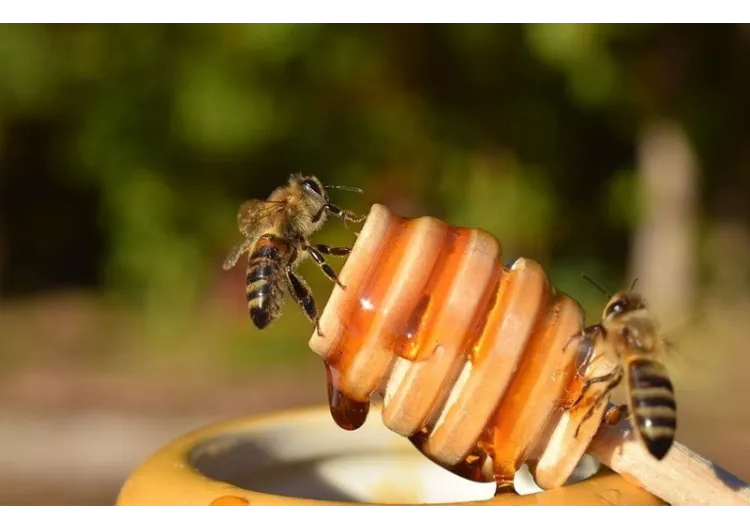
{"points": [[307, 455]]}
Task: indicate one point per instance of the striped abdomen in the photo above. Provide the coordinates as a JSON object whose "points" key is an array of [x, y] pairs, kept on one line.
{"points": [[652, 405], [265, 274]]}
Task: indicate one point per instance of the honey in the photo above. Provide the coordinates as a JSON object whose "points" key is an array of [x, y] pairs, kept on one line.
{"points": [[346, 412], [473, 359]]}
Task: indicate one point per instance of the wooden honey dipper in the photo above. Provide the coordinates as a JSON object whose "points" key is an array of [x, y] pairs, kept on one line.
{"points": [[474, 360]]}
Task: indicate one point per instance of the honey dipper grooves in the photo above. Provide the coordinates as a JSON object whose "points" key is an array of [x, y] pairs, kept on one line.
{"points": [[473, 359]]}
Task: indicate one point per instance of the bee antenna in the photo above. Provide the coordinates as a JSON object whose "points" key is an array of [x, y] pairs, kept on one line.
{"points": [[592, 282], [635, 280], [345, 188]]}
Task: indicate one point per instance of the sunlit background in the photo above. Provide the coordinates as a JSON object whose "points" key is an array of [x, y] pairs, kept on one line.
{"points": [[125, 151]]}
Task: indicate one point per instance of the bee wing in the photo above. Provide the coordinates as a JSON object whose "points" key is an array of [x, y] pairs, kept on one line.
{"points": [[253, 211], [250, 219], [675, 357], [676, 341], [234, 254]]}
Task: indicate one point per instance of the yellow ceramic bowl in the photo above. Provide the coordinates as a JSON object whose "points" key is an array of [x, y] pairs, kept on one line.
{"points": [[302, 457]]}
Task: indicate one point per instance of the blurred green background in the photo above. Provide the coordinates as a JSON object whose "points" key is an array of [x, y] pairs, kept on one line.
{"points": [[125, 151]]}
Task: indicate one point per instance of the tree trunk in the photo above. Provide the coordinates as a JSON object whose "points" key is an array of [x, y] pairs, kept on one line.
{"points": [[663, 255]]}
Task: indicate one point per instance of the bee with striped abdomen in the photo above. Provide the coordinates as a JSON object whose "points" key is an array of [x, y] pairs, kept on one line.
{"points": [[276, 233], [629, 334]]}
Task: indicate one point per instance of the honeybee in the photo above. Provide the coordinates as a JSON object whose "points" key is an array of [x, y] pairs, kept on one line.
{"points": [[629, 335], [276, 233]]}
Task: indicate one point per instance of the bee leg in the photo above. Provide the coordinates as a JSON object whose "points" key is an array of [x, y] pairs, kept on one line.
{"points": [[592, 381], [586, 335], [321, 261], [333, 251], [301, 294], [573, 337], [615, 376], [345, 215]]}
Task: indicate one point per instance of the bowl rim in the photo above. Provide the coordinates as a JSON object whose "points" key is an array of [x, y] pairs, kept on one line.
{"points": [[168, 477]]}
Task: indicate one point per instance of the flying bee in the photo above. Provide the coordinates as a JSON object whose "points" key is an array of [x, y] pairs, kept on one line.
{"points": [[629, 335], [276, 233]]}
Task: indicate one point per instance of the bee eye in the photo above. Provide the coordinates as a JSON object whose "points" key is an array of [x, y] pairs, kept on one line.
{"points": [[617, 307], [312, 186]]}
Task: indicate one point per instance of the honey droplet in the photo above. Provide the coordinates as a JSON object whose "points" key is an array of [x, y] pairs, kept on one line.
{"points": [[348, 414], [406, 340], [230, 500]]}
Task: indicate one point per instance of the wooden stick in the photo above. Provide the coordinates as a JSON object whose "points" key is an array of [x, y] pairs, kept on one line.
{"points": [[682, 478]]}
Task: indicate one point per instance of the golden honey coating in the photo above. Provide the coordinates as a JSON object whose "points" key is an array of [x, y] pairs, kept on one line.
{"points": [[473, 359]]}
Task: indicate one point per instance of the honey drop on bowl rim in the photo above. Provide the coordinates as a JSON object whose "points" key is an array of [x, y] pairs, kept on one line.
{"points": [[230, 500]]}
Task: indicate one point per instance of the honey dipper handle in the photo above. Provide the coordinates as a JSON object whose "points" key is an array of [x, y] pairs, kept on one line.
{"points": [[682, 478]]}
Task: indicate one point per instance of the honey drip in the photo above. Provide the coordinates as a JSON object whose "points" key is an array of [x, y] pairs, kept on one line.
{"points": [[348, 413]]}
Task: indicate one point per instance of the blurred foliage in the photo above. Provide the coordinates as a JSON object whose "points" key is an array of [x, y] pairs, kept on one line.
{"points": [[125, 150]]}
